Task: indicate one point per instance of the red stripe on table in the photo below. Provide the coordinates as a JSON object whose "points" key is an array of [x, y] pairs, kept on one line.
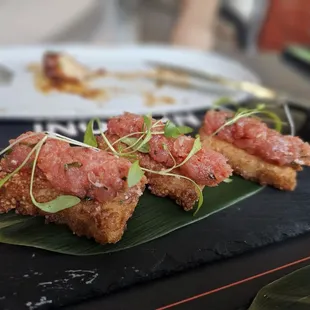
{"points": [[234, 283]]}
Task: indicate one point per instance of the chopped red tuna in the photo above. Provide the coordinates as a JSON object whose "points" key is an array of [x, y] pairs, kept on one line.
{"points": [[206, 167], [78, 171], [256, 138]]}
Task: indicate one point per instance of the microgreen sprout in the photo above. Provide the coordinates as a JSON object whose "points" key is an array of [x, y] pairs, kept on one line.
{"points": [[89, 137], [135, 174], [173, 131], [243, 112]]}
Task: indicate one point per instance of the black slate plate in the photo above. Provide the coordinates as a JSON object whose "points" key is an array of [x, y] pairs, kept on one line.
{"points": [[32, 278]]}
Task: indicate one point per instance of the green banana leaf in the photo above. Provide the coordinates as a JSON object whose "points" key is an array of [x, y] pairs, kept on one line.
{"points": [[290, 292], [154, 217]]}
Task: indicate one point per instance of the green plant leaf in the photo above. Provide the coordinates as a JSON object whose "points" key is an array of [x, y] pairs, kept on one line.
{"points": [[147, 121], [58, 204], [135, 174], [145, 148], [290, 292], [89, 137], [222, 101], [154, 217], [148, 136], [173, 131], [300, 52], [183, 130], [170, 130]]}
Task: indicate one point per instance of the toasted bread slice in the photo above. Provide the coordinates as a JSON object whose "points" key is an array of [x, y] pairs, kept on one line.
{"points": [[252, 167], [105, 222], [183, 191]]}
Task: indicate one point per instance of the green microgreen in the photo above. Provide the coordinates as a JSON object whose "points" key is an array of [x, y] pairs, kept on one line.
{"points": [[135, 174], [147, 121], [243, 112], [105, 138], [173, 131], [148, 134], [137, 144], [127, 136], [89, 137], [131, 142]]}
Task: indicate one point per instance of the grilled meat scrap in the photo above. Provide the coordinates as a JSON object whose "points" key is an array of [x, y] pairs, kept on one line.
{"points": [[60, 67]]}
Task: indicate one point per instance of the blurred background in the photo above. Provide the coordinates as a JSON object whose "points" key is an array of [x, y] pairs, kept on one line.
{"points": [[225, 25], [252, 32]]}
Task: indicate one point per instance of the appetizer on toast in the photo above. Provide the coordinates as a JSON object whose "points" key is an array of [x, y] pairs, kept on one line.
{"points": [[254, 150], [80, 186], [175, 165]]}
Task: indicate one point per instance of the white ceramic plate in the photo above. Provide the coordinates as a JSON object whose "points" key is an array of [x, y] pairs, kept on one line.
{"points": [[21, 100]]}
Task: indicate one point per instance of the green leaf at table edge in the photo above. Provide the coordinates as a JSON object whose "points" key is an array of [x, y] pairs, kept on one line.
{"points": [[300, 52], [289, 292]]}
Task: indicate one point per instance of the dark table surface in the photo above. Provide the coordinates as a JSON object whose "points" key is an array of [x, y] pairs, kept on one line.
{"points": [[205, 287]]}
